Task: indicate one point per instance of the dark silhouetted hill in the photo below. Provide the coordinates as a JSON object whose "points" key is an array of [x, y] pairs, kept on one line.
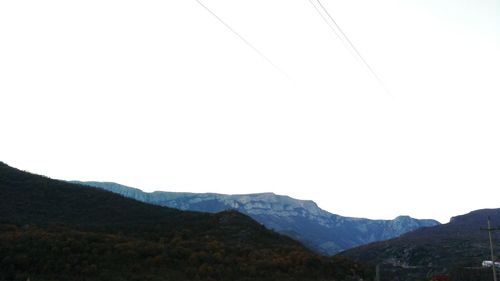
{"points": [[54, 230], [456, 249]]}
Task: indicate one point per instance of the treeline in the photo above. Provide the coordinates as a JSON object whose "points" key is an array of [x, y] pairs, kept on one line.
{"points": [[60, 253]]}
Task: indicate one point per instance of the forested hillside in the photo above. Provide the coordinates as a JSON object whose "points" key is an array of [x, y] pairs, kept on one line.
{"points": [[54, 230]]}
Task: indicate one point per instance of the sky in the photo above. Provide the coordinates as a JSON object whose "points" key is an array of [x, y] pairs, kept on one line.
{"points": [[161, 95]]}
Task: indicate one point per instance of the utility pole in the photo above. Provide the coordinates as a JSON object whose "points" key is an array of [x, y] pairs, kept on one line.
{"points": [[490, 230], [377, 273]]}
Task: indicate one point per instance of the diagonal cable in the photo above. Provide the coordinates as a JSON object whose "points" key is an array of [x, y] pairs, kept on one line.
{"points": [[242, 38], [351, 45], [326, 21]]}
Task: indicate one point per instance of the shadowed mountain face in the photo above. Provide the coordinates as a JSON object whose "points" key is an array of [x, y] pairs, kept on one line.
{"points": [[54, 230], [303, 220], [456, 249]]}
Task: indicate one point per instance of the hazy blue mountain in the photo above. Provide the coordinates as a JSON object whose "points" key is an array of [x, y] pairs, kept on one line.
{"points": [[300, 219]]}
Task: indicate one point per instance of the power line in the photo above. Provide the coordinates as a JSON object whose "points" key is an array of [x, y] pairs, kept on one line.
{"points": [[344, 38], [242, 38], [326, 21]]}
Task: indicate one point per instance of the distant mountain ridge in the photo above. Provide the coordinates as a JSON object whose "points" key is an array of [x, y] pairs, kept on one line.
{"points": [[300, 219], [456, 249]]}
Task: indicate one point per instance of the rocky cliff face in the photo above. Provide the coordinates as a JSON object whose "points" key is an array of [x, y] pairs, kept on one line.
{"points": [[301, 219]]}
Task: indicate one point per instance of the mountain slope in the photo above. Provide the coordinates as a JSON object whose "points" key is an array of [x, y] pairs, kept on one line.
{"points": [[456, 249], [54, 230], [300, 219]]}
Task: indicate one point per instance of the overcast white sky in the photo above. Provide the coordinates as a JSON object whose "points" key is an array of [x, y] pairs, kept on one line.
{"points": [[161, 96]]}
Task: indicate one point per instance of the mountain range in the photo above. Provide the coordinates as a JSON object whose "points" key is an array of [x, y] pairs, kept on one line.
{"points": [[55, 230], [455, 249], [303, 220]]}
